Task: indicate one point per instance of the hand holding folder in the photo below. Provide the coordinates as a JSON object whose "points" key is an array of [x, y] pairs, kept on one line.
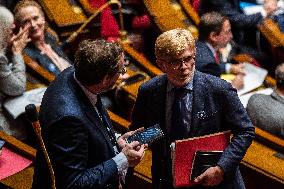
{"points": [[184, 152]]}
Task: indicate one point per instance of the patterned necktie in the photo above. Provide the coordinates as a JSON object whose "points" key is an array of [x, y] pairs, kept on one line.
{"points": [[217, 59], [178, 127]]}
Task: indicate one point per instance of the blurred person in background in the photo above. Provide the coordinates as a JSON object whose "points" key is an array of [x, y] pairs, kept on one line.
{"points": [[12, 68], [215, 33], [266, 111], [44, 48]]}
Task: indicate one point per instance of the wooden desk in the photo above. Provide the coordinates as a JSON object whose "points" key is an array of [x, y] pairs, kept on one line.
{"points": [[190, 11], [272, 33], [259, 160], [270, 30], [261, 169], [141, 60], [63, 15], [132, 89], [24, 178], [165, 14]]}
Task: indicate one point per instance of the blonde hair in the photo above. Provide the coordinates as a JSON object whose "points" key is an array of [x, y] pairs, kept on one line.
{"points": [[173, 43], [23, 4]]}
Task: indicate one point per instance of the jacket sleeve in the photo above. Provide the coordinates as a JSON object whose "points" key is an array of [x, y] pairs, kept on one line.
{"points": [[67, 143], [12, 76], [238, 122]]}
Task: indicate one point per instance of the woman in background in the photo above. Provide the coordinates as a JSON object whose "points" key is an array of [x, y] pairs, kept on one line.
{"points": [[43, 48]]}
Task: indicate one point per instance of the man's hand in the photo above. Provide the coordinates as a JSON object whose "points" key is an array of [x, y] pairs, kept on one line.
{"points": [[238, 82], [238, 69], [270, 6], [211, 177], [121, 140], [134, 153]]}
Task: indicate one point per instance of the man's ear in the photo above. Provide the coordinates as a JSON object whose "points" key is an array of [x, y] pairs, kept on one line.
{"points": [[161, 64], [106, 79], [213, 37]]}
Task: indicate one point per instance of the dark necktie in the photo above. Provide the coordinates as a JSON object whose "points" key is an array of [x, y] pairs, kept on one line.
{"points": [[178, 128]]}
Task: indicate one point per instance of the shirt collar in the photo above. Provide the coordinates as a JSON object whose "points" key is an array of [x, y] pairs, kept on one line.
{"points": [[211, 48], [189, 86], [91, 96]]}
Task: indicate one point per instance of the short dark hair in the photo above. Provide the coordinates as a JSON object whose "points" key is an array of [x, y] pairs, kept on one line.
{"points": [[96, 59], [279, 76], [210, 22]]}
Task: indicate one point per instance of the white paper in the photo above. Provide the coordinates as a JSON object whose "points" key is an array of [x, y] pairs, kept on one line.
{"points": [[245, 98], [249, 10], [254, 78], [16, 105]]}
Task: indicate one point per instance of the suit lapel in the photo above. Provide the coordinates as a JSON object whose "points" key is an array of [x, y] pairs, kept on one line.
{"points": [[197, 101], [92, 114], [159, 97]]}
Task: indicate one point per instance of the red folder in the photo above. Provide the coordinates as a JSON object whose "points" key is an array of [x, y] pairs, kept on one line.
{"points": [[184, 150]]}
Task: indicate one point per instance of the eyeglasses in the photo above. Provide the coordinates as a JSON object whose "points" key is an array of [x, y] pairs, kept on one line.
{"points": [[122, 71], [177, 63]]}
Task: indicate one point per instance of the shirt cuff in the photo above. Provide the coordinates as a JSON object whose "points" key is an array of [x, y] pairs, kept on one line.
{"points": [[121, 162], [117, 135], [228, 67]]}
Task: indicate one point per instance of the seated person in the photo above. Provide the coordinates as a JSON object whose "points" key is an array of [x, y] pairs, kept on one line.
{"points": [[12, 68], [244, 26], [266, 111], [215, 33], [274, 12], [43, 47]]}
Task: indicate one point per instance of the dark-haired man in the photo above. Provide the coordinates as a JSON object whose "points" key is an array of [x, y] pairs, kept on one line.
{"points": [[244, 26], [76, 127], [215, 33]]}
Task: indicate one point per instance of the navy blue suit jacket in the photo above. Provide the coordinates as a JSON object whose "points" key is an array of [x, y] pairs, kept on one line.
{"points": [[215, 107], [75, 137], [205, 60]]}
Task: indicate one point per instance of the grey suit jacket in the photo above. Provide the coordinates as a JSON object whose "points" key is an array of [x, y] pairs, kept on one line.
{"points": [[266, 112], [215, 107], [13, 83]]}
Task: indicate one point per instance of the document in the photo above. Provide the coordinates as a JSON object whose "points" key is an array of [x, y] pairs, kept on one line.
{"points": [[16, 105], [253, 79]]}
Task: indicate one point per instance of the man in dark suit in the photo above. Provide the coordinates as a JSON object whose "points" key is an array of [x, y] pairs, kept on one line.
{"points": [[241, 23], [76, 128], [206, 105], [215, 33]]}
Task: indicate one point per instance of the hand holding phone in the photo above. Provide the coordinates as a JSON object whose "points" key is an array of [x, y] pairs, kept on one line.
{"points": [[147, 136]]}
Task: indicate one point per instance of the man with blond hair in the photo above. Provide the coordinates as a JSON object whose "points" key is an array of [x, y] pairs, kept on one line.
{"points": [[187, 103]]}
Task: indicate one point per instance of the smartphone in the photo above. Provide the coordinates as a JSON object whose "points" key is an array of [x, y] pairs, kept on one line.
{"points": [[147, 136]]}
